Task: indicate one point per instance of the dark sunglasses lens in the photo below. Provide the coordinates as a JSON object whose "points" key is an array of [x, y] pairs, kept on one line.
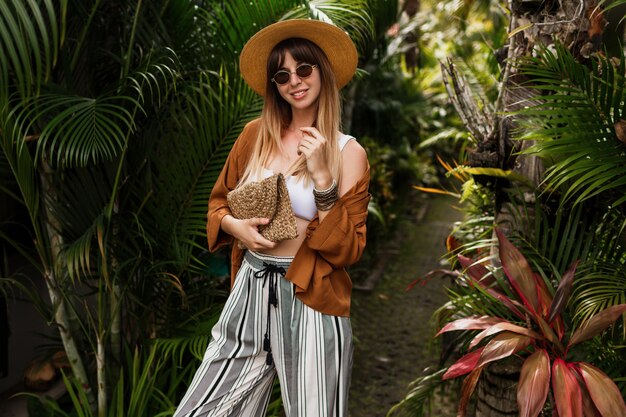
{"points": [[304, 70], [281, 77]]}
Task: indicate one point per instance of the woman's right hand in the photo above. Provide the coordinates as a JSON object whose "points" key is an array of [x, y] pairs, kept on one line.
{"points": [[247, 231]]}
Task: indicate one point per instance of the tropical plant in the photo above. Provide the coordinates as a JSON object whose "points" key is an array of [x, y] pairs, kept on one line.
{"points": [[577, 387], [115, 120], [578, 123]]}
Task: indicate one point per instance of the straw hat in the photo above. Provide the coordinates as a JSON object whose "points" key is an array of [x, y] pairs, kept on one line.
{"points": [[335, 43]]}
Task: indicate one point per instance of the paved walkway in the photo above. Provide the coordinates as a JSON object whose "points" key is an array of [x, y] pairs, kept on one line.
{"points": [[391, 326]]}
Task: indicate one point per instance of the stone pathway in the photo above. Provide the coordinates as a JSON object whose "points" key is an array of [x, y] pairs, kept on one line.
{"points": [[392, 327]]}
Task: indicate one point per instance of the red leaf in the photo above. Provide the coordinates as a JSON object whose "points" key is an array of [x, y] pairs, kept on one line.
{"points": [[512, 305], [597, 324], [604, 393], [567, 393], [464, 365], [589, 409], [422, 281], [499, 327], [518, 271], [563, 291], [545, 302], [549, 334], [503, 345], [476, 271], [534, 384], [559, 327], [471, 323], [543, 295], [452, 243], [469, 385]]}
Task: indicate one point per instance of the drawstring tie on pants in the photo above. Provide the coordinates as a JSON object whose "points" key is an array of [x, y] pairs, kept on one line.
{"points": [[272, 272]]}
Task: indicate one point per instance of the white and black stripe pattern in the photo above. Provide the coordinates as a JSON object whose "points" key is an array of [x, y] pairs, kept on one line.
{"points": [[312, 353]]}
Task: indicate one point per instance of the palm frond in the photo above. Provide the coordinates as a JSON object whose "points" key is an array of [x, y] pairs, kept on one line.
{"points": [[76, 131], [352, 16], [200, 133], [7, 181], [194, 339], [598, 290], [610, 4], [574, 124], [155, 78], [230, 24], [417, 401], [22, 169], [30, 38], [552, 236]]}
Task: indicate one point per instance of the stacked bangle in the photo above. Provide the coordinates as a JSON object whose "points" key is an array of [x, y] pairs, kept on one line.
{"points": [[325, 199]]}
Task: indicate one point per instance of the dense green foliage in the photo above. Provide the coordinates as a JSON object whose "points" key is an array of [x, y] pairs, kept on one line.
{"points": [[115, 120]]}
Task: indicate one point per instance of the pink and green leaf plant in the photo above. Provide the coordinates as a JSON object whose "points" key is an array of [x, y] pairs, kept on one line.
{"points": [[578, 389]]}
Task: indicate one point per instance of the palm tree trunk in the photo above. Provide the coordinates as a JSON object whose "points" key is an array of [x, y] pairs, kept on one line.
{"points": [[101, 372], [116, 310], [497, 391], [61, 312], [116, 326]]}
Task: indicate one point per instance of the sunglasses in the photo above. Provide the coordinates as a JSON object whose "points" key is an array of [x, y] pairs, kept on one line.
{"points": [[282, 77]]}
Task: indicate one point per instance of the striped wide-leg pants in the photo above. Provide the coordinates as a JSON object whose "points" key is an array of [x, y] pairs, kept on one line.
{"points": [[311, 352]]}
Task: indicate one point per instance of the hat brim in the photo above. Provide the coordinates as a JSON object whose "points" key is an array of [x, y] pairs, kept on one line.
{"points": [[335, 43]]}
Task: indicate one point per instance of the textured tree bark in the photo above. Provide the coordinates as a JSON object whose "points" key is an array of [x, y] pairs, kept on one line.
{"points": [[569, 22], [497, 390]]}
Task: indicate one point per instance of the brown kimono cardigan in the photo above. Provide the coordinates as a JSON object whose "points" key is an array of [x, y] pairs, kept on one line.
{"points": [[318, 269]]}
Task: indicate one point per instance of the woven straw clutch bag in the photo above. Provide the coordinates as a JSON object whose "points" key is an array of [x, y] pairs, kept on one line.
{"points": [[269, 199]]}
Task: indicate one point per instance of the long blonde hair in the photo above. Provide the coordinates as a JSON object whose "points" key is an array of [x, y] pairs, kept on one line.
{"points": [[276, 115]]}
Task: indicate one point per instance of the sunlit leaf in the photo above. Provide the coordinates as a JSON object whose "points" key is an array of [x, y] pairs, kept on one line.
{"points": [[471, 323], [435, 191], [567, 394], [503, 345], [597, 324], [589, 408], [494, 172], [504, 326], [604, 393], [534, 384]]}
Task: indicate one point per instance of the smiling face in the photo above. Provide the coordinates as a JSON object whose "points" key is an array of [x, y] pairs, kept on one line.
{"points": [[301, 93], [316, 92]]}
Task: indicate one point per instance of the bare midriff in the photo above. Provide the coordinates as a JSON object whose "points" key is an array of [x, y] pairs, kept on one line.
{"points": [[290, 247]]}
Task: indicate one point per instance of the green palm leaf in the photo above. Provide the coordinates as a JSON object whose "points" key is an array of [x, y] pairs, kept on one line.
{"points": [[154, 80], [30, 37], [599, 290], [76, 131], [230, 24], [352, 16], [194, 339], [574, 125], [200, 133]]}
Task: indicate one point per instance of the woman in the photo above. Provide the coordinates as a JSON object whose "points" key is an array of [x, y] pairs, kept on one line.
{"points": [[288, 312]]}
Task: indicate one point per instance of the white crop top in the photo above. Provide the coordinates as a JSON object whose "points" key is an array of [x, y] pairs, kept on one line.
{"points": [[301, 196]]}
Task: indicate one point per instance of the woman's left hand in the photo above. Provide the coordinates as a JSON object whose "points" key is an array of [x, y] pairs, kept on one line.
{"points": [[313, 146]]}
